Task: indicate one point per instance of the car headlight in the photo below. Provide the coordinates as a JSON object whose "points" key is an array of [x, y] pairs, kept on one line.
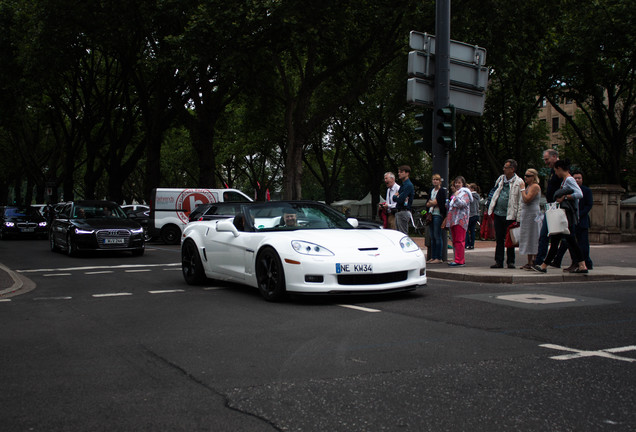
{"points": [[408, 245], [137, 231], [42, 224], [306, 248], [81, 231], [9, 224]]}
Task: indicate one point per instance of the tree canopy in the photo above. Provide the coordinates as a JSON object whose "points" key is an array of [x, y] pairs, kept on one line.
{"points": [[110, 98]]}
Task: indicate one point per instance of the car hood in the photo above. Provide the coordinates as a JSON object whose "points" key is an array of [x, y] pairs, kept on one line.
{"points": [[350, 241], [105, 223]]}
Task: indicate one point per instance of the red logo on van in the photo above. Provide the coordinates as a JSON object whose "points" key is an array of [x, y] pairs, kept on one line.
{"points": [[189, 199]]}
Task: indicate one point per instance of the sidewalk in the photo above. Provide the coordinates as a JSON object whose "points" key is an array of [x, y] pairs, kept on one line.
{"points": [[611, 262]]}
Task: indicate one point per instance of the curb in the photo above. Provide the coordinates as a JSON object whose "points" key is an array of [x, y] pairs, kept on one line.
{"points": [[516, 277], [17, 283]]}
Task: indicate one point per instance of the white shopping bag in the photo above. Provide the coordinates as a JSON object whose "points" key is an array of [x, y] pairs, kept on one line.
{"points": [[557, 220]]}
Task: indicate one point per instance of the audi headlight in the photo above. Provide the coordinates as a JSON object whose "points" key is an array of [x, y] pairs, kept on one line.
{"points": [[81, 231], [137, 231], [408, 245], [306, 248]]}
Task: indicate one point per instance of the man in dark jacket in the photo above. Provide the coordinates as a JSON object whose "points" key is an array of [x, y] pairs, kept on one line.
{"points": [[581, 228]]}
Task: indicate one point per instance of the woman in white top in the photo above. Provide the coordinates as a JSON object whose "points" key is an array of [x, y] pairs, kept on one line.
{"points": [[568, 196]]}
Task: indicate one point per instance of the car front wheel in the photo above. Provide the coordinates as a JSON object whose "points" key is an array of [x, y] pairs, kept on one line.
{"points": [[191, 264], [270, 275]]}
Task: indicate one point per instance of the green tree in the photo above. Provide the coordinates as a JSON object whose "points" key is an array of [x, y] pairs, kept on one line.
{"points": [[595, 66]]}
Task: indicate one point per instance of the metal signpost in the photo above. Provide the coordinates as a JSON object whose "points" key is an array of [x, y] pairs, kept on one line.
{"points": [[449, 76]]}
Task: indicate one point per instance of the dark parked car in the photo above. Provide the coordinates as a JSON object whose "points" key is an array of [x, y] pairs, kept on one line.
{"points": [[18, 221], [95, 225]]}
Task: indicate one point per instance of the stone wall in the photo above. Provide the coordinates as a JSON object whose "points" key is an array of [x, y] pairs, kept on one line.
{"points": [[605, 216]]}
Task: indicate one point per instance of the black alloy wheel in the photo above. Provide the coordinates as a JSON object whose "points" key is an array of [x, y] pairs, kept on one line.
{"points": [[191, 264], [171, 234], [270, 275]]}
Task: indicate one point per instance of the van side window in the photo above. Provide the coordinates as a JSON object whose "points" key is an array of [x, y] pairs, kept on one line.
{"points": [[231, 196]]}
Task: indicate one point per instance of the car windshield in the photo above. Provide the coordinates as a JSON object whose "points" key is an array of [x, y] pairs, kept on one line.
{"points": [[99, 210], [295, 216], [21, 212]]}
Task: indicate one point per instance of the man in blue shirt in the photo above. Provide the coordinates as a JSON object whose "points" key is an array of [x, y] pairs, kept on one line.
{"points": [[404, 200]]}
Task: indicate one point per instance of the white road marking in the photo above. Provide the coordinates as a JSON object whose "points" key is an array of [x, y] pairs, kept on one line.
{"points": [[360, 308], [5, 300], [606, 353], [166, 291], [172, 269], [113, 294], [123, 266], [136, 271], [99, 272], [212, 288], [52, 298], [56, 274]]}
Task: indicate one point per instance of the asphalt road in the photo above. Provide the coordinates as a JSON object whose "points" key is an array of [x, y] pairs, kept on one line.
{"points": [[121, 343]]}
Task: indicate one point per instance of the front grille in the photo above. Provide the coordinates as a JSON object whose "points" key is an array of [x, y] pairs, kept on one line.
{"points": [[22, 225], [113, 239], [372, 279]]}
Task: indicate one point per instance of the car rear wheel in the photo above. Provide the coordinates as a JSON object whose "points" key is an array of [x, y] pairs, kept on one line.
{"points": [[270, 275], [170, 234], [71, 249], [191, 264]]}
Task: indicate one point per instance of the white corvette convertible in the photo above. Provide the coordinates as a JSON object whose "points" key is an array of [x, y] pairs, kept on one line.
{"points": [[300, 247]]}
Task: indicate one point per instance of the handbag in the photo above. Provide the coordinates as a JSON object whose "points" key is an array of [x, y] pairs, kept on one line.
{"points": [[512, 235], [429, 218], [556, 219]]}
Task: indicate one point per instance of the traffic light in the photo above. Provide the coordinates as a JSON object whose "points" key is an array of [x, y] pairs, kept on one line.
{"points": [[425, 130], [446, 124]]}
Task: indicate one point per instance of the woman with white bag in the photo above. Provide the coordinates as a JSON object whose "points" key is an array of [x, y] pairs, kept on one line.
{"points": [[568, 197]]}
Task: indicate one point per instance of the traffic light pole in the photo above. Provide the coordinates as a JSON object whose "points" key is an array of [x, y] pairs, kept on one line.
{"points": [[442, 85], [441, 96]]}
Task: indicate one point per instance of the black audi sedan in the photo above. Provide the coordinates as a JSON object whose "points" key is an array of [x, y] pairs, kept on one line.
{"points": [[22, 221], [95, 226]]}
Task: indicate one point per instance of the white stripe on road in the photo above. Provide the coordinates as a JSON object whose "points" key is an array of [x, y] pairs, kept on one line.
{"points": [[123, 266], [99, 272], [52, 298], [56, 274], [113, 294], [172, 269], [166, 291], [136, 271], [5, 300], [360, 308]]}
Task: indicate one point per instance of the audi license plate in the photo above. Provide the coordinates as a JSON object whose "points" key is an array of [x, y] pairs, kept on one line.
{"points": [[114, 241], [354, 268]]}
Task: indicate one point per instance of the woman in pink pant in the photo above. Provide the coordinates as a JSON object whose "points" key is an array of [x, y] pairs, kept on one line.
{"points": [[458, 217]]}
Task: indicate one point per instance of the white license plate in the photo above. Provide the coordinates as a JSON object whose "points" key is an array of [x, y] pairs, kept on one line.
{"points": [[354, 268], [114, 241], [27, 230]]}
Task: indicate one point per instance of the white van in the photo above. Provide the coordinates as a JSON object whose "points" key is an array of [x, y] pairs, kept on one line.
{"points": [[170, 208]]}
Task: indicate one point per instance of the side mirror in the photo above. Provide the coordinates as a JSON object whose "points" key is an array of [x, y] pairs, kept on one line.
{"points": [[227, 225], [353, 222]]}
